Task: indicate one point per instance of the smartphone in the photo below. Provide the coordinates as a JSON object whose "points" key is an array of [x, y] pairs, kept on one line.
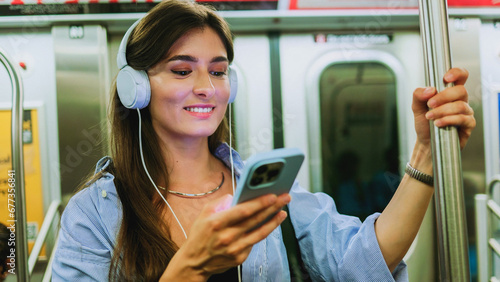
{"points": [[268, 172]]}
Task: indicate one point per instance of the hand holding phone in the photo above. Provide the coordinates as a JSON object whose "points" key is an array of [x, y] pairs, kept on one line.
{"points": [[269, 172]]}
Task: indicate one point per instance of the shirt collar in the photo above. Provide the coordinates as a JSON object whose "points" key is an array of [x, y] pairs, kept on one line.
{"points": [[223, 153]]}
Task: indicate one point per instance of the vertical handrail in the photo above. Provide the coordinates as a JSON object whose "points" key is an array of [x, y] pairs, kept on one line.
{"points": [[47, 275], [449, 199], [485, 207], [18, 169], [482, 236], [491, 185], [49, 219]]}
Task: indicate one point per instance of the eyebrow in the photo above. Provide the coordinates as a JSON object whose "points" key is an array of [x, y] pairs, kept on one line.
{"points": [[193, 59]]}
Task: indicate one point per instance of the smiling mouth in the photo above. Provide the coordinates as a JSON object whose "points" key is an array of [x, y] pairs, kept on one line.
{"points": [[199, 109]]}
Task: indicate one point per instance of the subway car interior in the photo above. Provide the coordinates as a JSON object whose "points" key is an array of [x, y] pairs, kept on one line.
{"points": [[333, 78]]}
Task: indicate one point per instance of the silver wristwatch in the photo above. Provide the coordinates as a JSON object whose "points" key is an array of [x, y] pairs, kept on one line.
{"points": [[418, 175]]}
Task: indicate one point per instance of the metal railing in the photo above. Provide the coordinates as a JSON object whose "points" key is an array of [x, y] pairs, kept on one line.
{"points": [[449, 197], [25, 264], [486, 207], [18, 168], [52, 214]]}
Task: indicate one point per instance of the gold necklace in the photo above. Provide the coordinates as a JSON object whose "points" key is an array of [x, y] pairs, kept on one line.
{"points": [[195, 195]]}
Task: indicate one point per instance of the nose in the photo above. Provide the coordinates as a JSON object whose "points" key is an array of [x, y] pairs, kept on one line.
{"points": [[203, 86]]}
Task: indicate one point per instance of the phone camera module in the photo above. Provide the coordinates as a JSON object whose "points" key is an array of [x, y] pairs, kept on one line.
{"points": [[261, 169], [266, 174], [256, 181], [273, 174]]}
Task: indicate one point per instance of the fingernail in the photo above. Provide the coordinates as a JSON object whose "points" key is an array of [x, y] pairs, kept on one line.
{"points": [[431, 103], [271, 199], [286, 198], [225, 204], [282, 215], [448, 77], [437, 123], [429, 90], [429, 115]]}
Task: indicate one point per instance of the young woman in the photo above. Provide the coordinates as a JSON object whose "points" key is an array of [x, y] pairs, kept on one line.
{"points": [[170, 219]]}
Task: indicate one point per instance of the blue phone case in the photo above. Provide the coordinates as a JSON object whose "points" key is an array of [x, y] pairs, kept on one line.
{"points": [[268, 172]]}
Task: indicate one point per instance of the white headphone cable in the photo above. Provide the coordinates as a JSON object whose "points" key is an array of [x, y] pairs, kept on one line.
{"points": [[230, 150], [232, 169], [209, 79], [151, 179], [161, 195]]}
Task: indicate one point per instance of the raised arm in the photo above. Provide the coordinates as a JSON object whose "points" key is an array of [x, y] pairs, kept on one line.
{"points": [[399, 223]]}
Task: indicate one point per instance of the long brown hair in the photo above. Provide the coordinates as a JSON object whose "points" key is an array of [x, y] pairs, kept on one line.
{"points": [[144, 247]]}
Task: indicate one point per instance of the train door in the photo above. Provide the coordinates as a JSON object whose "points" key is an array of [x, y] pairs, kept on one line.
{"points": [[490, 69], [348, 97], [252, 109], [487, 219]]}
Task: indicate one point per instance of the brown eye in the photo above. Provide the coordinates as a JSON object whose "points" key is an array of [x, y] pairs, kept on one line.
{"points": [[182, 72], [218, 73]]}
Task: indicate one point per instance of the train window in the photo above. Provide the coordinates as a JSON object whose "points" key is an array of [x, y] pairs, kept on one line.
{"points": [[359, 136]]}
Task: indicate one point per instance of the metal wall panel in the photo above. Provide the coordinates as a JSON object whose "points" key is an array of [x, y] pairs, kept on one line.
{"points": [[464, 43], [82, 94]]}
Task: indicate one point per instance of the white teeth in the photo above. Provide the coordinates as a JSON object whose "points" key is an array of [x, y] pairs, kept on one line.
{"points": [[200, 110]]}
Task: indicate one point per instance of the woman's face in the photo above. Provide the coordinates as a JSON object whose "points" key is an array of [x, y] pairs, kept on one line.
{"points": [[190, 87]]}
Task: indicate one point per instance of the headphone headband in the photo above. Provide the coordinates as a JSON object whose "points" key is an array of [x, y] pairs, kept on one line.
{"points": [[133, 85], [121, 58]]}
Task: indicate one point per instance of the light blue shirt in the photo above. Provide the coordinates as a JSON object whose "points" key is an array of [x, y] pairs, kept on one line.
{"points": [[334, 247]]}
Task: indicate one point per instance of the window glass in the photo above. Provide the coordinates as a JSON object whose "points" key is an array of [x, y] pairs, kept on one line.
{"points": [[360, 156]]}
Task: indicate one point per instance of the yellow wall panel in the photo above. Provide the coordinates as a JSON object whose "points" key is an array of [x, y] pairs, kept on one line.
{"points": [[32, 172]]}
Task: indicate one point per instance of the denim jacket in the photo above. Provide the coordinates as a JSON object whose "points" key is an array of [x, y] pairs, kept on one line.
{"points": [[334, 247]]}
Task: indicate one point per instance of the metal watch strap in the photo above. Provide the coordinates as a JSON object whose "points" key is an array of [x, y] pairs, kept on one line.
{"points": [[418, 175]]}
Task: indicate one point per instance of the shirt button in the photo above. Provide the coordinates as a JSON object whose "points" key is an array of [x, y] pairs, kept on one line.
{"points": [[103, 193], [260, 270]]}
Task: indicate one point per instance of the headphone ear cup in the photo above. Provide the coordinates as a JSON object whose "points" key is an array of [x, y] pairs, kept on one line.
{"points": [[133, 88], [233, 82]]}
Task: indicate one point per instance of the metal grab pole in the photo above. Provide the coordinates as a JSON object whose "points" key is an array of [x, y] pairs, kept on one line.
{"points": [[17, 225], [449, 198]]}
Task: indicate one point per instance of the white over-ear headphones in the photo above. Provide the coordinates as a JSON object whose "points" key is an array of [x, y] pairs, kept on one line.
{"points": [[133, 85]]}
